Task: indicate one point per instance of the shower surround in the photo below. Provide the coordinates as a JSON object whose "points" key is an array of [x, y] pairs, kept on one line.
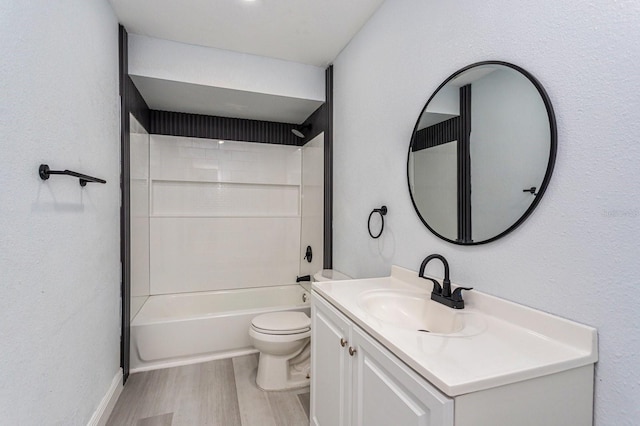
{"points": [[225, 230]]}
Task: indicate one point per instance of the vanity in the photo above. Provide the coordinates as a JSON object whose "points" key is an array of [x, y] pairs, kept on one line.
{"points": [[384, 354]]}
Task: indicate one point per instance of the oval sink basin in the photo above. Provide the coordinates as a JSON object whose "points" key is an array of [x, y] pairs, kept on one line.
{"points": [[413, 311]]}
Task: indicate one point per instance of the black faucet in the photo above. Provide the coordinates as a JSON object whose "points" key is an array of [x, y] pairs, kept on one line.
{"points": [[442, 294], [303, 278]]}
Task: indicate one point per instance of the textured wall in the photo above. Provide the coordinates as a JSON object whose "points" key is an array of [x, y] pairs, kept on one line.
{"points": [[59, 244], [577, 255]]}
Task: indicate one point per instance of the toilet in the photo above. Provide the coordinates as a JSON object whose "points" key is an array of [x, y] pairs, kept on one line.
{"points": [[284, 342], [283, 339]]}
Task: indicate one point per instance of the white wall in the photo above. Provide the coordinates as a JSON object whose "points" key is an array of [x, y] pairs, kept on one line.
{"points": [[59, 243], [169, 60], [223, 216], [576, 256]]}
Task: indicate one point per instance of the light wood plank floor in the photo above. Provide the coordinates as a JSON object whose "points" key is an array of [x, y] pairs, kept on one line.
{"points": [[221, 392]]}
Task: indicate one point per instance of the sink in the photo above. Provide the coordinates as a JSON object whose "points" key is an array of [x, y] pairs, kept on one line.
{"points": [[490, 344], [413, 311]]}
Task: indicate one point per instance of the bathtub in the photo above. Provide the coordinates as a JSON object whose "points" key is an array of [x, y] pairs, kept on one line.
{"points": [[178, 329]]}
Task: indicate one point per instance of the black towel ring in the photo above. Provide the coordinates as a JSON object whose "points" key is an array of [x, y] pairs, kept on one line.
{"points": [[383, 211]]}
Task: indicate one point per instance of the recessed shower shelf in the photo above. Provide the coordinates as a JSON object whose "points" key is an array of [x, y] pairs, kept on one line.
{"points": [[222, 182], [204, 199]]}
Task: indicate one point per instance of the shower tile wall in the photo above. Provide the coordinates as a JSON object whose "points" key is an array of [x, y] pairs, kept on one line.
{"points": [[312, 204], [139, 184], [223, 215]]}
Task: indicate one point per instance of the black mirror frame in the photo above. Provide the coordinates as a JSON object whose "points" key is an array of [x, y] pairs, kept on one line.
{"points": [[553, 148]]}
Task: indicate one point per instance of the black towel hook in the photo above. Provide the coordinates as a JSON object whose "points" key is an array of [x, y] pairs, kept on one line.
{"points": [[383, 211]]}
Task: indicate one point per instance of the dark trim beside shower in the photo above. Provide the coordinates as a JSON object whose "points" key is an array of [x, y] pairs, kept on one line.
{"points": [[316, 122], [437, 134], [131, 101], [125, 219], [464, 166], [213, 127], [137, 105], [328, 171]]}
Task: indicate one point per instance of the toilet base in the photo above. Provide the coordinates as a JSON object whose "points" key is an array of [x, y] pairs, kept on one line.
{"points": [[276, 373]]}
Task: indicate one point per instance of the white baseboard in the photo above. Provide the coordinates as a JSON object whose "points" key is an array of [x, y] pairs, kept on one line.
{"points": [[102, 413]]}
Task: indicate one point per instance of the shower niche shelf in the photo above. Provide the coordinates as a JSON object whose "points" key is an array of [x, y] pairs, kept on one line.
{"points": [[223, 199]]}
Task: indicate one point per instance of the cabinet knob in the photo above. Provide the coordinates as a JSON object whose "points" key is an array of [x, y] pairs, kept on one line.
{"points": [[343, 342], [352, 351]]}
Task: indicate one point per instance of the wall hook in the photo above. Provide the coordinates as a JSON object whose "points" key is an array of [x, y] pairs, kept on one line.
{"points": [[382, 211]]}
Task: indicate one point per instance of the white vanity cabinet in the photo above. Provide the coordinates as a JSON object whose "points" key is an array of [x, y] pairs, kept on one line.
{"points": [[356, 381], [330, 366]]}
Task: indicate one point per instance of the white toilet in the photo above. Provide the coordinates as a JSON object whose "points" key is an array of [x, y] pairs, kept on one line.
{"points": [[283, 339]]}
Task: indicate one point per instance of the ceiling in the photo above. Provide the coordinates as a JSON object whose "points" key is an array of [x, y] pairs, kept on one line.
{"points": [[307, 31], [311, 32]]}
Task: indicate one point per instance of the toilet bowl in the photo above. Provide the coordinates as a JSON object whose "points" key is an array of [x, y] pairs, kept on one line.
{"points": [[283, 341]]}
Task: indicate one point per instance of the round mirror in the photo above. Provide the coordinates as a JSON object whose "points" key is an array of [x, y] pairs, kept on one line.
{"points": [[481, 153]]}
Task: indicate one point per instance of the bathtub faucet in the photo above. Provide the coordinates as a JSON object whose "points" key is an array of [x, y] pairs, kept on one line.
{"points": [[303, 278]]}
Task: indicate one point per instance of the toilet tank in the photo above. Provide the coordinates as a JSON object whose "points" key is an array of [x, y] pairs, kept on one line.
{"points": [[330, 275]]}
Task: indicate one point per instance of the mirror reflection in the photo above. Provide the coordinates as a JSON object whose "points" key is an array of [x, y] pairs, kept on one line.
{"points": [[481, 153]]}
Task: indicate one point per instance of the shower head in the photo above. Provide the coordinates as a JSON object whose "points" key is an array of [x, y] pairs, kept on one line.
{"points": [[301, 130]]}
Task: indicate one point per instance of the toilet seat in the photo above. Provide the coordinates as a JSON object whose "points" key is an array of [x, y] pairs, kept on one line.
{"points": [[280, 323]]}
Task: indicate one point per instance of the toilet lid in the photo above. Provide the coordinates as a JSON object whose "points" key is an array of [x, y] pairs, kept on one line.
{"points": [[282, 322]]}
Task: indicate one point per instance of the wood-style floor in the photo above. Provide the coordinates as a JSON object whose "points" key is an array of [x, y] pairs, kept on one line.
{"points": [[215, 393]]}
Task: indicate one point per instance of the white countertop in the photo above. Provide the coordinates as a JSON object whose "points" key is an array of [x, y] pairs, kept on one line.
{"points": [[512, 343]]}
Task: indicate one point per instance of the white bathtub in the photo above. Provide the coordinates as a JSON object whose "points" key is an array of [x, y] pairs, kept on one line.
{"points": [[179, 329]]}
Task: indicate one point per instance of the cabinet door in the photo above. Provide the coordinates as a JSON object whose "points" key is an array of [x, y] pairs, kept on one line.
{"points": [[330, 366], [387, 392]]}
